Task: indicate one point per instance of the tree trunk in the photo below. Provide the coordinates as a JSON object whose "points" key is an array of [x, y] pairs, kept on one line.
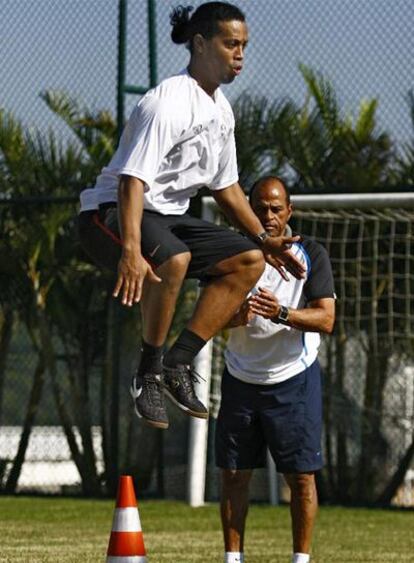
{"points": [[144, 454], [376, 376], [32, 408], [342, 467], [90, 484], [6, 332], [109, 402], [385, 498], [77, 375], [329, 418]]}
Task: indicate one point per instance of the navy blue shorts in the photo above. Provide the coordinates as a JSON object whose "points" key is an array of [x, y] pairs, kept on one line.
{"points": [[285, 417]]}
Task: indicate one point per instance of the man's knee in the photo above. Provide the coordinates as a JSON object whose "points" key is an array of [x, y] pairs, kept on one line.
{"points": [[249, 266], [175, 267], [254, 259], [235, 480], [252, 265], [302, 485]]}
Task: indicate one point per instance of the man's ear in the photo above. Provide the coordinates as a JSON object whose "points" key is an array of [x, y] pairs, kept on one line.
{"points": [[290, 211], [198, 43]]}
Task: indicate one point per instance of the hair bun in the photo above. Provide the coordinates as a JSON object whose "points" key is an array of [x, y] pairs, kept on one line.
{"points": [[180, 21]]}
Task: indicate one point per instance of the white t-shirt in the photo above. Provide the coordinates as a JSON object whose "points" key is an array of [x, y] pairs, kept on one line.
{"points": [[177, 140], [263, 352]]}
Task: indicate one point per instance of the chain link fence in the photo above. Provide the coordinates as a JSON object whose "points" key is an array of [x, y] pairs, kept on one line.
{"points": [[364, 48]]}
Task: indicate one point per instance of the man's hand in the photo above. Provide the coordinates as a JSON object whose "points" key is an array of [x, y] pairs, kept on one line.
{"points": [[242, 317], [132, 270], [276, 251], [265, 304]]}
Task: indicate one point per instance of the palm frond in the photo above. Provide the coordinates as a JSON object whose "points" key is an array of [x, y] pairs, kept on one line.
{"points": [[63, 105], [365, 124], [410, 99], [323, 93], [96, 132], [35, 164], [251, 115], [12, 140]]}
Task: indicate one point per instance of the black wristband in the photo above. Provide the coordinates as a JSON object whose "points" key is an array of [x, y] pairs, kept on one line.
{"points": [[260, 238]]}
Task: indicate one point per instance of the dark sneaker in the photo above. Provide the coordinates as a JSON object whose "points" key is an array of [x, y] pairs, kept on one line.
{"points": [[148, 395], [178, 385]]}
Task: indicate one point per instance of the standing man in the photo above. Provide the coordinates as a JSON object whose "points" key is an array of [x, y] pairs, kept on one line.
{"points": [[179, 138], [271, 386]]}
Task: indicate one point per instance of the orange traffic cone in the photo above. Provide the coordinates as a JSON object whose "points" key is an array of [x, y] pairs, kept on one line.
{"points": [[126, 544]]}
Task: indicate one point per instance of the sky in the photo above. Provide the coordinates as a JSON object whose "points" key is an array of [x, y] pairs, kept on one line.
{"points": [[364, 47]]}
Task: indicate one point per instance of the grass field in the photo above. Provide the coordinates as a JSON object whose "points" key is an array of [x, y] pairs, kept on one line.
{"points": [[60, 530]]}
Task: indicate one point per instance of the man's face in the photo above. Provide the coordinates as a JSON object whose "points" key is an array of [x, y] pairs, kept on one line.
{"points": [[270, 205], [223, 54]]}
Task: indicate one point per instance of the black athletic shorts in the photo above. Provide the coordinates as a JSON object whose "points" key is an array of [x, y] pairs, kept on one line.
{"points": [[285, 417], [162, 236]]}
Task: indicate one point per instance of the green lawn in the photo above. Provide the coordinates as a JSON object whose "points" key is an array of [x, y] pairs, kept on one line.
{"points": [[69, 530]]}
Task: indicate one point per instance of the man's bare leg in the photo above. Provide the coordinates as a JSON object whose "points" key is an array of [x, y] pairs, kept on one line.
{"points": [[159, 299], [224, 294], [232, 280], [234, 505], [303, 509], [157, 309]]}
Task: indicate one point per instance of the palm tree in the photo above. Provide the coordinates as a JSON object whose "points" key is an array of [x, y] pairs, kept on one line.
{"points": [[327, 149], [32, 165], [96, 132], [255, 154], [405, 157]]}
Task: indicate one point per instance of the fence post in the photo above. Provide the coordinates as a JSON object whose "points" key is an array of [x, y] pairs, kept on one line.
{"points": [[197, 449]]}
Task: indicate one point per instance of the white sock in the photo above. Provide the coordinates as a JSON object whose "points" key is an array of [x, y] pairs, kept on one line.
{"points": [[233, 557], [300, 558]]}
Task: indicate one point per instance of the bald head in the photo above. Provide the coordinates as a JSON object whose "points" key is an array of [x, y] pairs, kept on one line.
{"points": [[273, 181], [270, 200]]}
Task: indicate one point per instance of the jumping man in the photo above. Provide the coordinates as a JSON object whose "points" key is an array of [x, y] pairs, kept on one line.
{"points": [[179, 138]]}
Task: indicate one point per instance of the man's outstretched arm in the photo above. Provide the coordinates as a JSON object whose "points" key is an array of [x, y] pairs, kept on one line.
{"points": [[237, 209]]}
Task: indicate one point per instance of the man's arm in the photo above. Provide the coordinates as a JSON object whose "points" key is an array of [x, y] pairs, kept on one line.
{"points": [[318, 316], [236, 207], [132, 267]]}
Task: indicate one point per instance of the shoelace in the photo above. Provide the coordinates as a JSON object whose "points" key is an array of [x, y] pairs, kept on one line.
{"points": [[194, 377], [152, 386]]}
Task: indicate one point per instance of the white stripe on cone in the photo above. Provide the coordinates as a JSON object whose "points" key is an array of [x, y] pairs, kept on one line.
{"points": [[127, 559], [126, 520]]}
